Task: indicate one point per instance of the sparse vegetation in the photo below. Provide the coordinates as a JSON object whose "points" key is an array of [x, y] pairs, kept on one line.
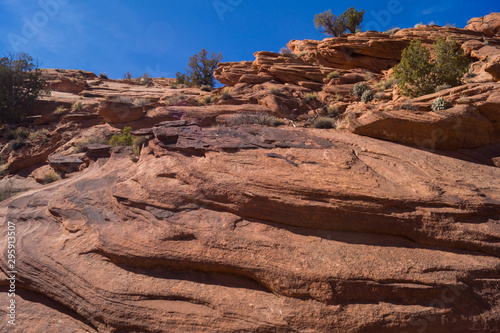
{"points": [[276, 91], [137, 143], [368, 76], [176, 99], [392, 31], [332, 111], [200, 69], [145, 79], [208, 99], [386, 84], [50, 177], [255, 118], [335, 26], [124, 139], [324, 122], [419, 75], [284, 51], [439, 104], [103, 76], [206, 88], [442, 87], [359, 89], [367, 96], [127, 76], [226, 94], [21, 83], [310, 97], [333, 75], [85, 141], [77, 106]]}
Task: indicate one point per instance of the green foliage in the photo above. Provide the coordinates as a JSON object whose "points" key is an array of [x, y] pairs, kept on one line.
{"points": [[181, 79], [330, 24], [310, 97], [335, 26], [18, 133], [201, 67], [50, 177], [77, 106], [255, 118], [367, 96], [324, 122], [353, 19], [275, 91], [419, 75], [333, 75], [125, 139], [21, 83], [332, 111], [451, 64], [137, 143], [359, 89], [439, 104]]}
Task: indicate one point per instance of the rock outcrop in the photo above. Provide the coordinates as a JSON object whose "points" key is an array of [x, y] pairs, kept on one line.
{"points": [[255, 229]]}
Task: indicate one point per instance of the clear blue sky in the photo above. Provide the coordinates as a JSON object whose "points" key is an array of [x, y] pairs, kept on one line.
{"points": [[158, 36]]}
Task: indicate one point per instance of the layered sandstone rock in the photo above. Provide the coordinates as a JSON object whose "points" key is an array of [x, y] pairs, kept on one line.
{"points": [[253, 229]]}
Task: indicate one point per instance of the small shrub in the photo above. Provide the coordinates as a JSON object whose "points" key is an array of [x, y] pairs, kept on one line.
{"points": [[332, 111], [368, 76], [181, 79], [39, 134], [418, 25], [103, 76], [442, 87], [303, 54], [409, 106], [359, 89], [439, 104], [333, 75], [125, 139], [137, 143], [85, 141], [206, 88], [392, 31], [226, 94], [201, 67], [61, 110], [140, 102], [208, 99], [77, 106], [324, 122], [255, 118], [50, 177], [145, 79], [284, 51], [18, 133], [276, 91], [310, 97], [17, 144], [176, 99], [367, 96], [127, 76], [339, 97], [386, 84]]}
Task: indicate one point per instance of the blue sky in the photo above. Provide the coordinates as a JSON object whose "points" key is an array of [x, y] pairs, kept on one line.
{"points": [[158, 36]]}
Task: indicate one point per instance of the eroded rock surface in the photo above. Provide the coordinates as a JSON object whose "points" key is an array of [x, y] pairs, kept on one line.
{"points": [[308, 230]]}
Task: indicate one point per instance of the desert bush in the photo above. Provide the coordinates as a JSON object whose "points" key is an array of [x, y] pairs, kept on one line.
{"points": [[226, 94], [21, 83], [418, 25], [276, 91], [127, 76], [144, 79], [367, 96], [303, 54], [208, 99], [419, 75], [42, 134], [206, 88], [50, 177], [368, 76], [386, 84], [359, 89], [124, 139], [392, 31], [284, 51], [442, 87], [439, 104], [333, 75], [310, 97], [332, 111], [18, 133], [181, 79], [339, 97], [324, 122], [140, 102], [85, 141], [201, 67], [333, 25], [77, 106], [330, 24], [176, 99], [103, 76], [61, 110], [137, 144], [255, 118]]}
